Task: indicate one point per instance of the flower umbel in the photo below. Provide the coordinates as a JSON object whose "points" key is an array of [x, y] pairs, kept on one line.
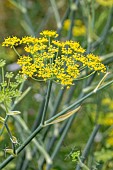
{"points": [[51, 59], [11, 41]]}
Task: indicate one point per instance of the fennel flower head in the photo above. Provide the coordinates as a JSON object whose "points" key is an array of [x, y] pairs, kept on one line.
{"points": [[46, 58]]}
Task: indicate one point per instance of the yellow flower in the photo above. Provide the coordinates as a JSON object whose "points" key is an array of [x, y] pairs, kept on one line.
{"points": [[105, 2], [29, 69], [110, 141], [28, 40], [95, 63], [56, 60], [107, 120], [66, 24], [24, 60], [34, 48], [11, 41], [57, 43], [33, 40], [79, 28], [106, 101]]}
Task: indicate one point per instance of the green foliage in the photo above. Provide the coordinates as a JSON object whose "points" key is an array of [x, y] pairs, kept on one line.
{"points": [[104, 155], [75, 156]]}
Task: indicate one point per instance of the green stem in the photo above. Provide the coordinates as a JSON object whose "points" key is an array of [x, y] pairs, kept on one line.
{"points": [[38, 146], [88, 146], [17, 100], [6, 119], [73, 8], [3, 77], [11, 138], [69, 122], [82, 164], [77, 102], [2, 74], [56, 13], [81, 78], [64, 129], [35, 132], [46, 102], [11, 157], [55, 108], [104, 57], [16, 51], [105, 30]]}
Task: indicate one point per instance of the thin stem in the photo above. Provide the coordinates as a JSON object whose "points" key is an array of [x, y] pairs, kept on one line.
{"points": [[46, 102], [16, 51], [105, 30], [62, 21], [27, 23], [35, 132], [11, 138], [39, 116], [63, 130], [69, 122], [6, 119], [51, 142], [81, 78], [82, 164], [56, 107], [73, 7], [40, 148], [77, 102], [88, 145], [70, 94], [38, 120], [2, 74], [104, 57], [3, 164], [17, 100], [56, 13]]}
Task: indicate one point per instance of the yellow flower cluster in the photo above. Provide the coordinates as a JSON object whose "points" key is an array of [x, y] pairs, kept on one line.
{"points": [[109, 140], [108, 103], [51, 59], [107, 118], [79, 28], [14, 41], [105, 2]]}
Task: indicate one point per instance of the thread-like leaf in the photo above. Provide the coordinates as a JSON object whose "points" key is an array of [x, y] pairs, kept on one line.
{"points": [[2, 119], [10, 151], [13, 113], [64, 116]]}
